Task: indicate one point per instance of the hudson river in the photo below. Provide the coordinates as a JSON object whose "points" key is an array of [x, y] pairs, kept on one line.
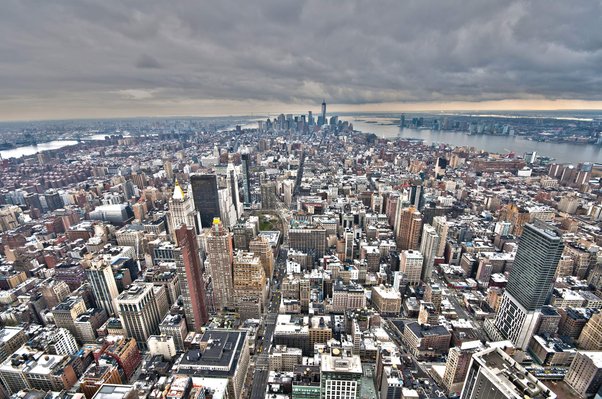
{"points": [[562, 152]]}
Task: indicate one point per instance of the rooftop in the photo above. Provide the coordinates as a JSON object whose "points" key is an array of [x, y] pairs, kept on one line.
{"points": [[509, 376]]}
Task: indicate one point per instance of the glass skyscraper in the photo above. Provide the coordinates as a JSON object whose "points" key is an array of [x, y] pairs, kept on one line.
{"points": [[531, 279], [529, 285]]}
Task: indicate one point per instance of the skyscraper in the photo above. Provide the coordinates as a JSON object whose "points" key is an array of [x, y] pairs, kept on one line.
{"points": [[428, 247], [205, 196], [139, 312], [340, 375], [219, 263], [246, 183], [190, 277], [249, 282], [410, 225], [442, 227], [260, 246], [181, 210], [529, 284], [103, 284], [323, 111]]}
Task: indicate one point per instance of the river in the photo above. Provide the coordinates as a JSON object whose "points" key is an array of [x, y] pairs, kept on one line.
{"points": [[32, 149], [51, 145], [562, 152]]}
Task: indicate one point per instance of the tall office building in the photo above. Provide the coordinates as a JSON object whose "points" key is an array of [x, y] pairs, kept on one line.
{"points": [[494, 374], [269, 199], [190, 277], [181, 210], [246, 177], [53, 200], [410, 226], [456, 367], [139, 312], [585, 374], [219, 264], [410, 263], [340, 375], [428, 247], [323, 116], [232, 186], [260, 246], [104, 287], [529, 284], [206, 198], [591, 336], [249, 284], [308, 238], [441, 227]]}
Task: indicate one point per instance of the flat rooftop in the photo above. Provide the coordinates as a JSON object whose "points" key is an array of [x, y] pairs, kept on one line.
{"points": [[510, 376]]}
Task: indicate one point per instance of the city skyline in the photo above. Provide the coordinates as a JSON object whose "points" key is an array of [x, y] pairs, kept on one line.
{"points": [[115, 60]]}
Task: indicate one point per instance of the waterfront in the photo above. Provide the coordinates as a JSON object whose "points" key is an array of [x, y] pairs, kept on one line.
{"points": [[19, 152], [562, 152], [32, 149]]}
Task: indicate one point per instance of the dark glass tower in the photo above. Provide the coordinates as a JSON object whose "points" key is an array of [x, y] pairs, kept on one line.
{"points": [[531, 279], [245, 161], [206, 198]]}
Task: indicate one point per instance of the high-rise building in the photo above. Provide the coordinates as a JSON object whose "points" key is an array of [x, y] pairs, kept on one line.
{"points": [[340, 375], [410, 263], [103, 284], [529, 284], [246, 177], [494, 374], [591, 336], [429, 245], [66, 312], [190, 276], [585, 374], [323, 112], [206, 198], [456, 367], [139, 312], [53, 200], [441, 227], [261, 247], [410, 226], [11, 339], [268, 195], [222, 353], [249, 284], [175, 326], [219, 264], [310, 239], [181, 210], [29, 369]]}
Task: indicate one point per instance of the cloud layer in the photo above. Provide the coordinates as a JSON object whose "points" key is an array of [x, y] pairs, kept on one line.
{"points": [[143, 57]]}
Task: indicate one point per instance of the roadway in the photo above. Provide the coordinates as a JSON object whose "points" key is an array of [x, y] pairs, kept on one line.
{"points": [[261, 357]]}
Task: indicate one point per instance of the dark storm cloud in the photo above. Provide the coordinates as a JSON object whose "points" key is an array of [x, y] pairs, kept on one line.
{"points": [[294, 51], [147, 61]]}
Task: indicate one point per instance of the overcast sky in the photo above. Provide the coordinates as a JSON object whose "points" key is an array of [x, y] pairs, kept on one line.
{"points": [[89, 58]]}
